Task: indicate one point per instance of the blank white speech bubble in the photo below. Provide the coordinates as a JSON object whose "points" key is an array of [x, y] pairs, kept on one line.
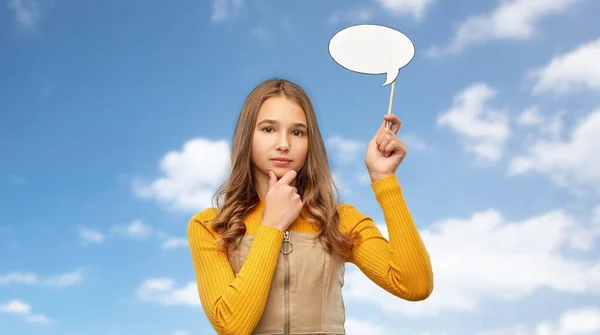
{"points": [[372, 49]]}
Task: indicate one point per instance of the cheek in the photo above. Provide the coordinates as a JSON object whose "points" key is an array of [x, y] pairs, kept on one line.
{"points": [[257, 148], [304, 150]]}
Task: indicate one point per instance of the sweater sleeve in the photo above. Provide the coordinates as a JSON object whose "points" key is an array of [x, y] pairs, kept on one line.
{"points": [[401, 265], [233, 303]]}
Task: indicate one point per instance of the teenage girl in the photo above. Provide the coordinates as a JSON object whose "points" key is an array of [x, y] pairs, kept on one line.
{"points": [[270, 258]]}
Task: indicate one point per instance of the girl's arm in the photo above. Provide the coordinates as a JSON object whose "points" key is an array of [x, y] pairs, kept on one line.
{"points": [[233, 304], [400, 266]]}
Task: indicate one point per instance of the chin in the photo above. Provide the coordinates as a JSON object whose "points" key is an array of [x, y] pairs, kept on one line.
{"points": [[280, 171]]}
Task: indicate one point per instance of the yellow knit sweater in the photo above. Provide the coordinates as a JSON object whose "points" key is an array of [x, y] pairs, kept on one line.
{"points": [[234, 304]]}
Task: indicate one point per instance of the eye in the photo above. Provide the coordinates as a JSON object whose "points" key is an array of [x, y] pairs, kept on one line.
{"points": [[300, 132], [267, 128]]}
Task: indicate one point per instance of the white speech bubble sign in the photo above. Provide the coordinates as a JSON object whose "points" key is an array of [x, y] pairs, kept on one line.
{"points": [[372, 49]]}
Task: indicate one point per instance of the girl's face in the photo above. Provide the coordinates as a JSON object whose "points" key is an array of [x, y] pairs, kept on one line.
{"points": [[280, 132]]}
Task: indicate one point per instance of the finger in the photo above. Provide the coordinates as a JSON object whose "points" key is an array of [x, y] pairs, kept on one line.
{"points": [[378, 132], [272, 179], [400, 147], [288, 177], [381, 128], [389, 149], [385, 140], [384, 147], [380, 135], [396, 122]]}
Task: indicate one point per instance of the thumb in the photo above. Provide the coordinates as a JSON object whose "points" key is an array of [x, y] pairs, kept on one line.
{"points": [[272, 179]]}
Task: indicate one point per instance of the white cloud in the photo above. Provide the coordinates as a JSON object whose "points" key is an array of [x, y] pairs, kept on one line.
{"points": [[163, 291], [221, 9], [413, 142], [190, 176], [89, 236], [511, 20], [345, 150], [174, 243], [416, 8], [396, 8], [355, 15], [581, 321], [137, 229], [531, 117], [19, 307], [261, 34], [356, 326], [59, 281], [15, 307], [64, 280], [486, 256], [364, 178], [575, 70], [596, 216], [573, 162], [26, 13], [340, 182], [38, 318], [483, 129], [552, 128]]}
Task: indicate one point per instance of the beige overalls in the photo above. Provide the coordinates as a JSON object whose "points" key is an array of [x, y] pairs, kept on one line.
{"points": [[306, 291]]}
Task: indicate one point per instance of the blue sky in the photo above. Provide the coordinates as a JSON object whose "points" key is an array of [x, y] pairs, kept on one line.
{"points": [[116, 119]]}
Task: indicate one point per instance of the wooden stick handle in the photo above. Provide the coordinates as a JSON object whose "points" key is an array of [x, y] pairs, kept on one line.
{"points": [[391, 99]]}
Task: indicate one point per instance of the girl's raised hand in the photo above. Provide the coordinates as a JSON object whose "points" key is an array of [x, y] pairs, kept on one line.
{"points": [[385, 151]]}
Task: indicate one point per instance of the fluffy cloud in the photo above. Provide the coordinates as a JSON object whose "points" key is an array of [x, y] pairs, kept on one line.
{"points": [[340, 183], [28, 278], [413, 142], [19, 307], [359, 327], [345, 150], [581, 321], [221, 9], [261, 34], [90, 236], [165, 292], [356, 15], [511, 20], [26, 13], [531, 117], [190, 176], [482, 128], [397, 8], [137, 230], [577, 69], [416, 8], [487, 256], [174, 243], [572, 162], [15, 307]]}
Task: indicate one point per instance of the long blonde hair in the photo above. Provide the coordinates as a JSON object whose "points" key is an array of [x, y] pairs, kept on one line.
{"points": [[314, 181]]}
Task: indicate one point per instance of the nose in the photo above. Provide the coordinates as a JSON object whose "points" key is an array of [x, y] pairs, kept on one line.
{"points": [[282, 144]]}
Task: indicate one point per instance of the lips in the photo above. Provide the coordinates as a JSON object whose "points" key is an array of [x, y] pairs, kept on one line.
{"points": [[281, 159]]}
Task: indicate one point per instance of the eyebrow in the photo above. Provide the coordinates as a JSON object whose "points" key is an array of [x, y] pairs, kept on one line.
{"points": [[297, 124]]}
